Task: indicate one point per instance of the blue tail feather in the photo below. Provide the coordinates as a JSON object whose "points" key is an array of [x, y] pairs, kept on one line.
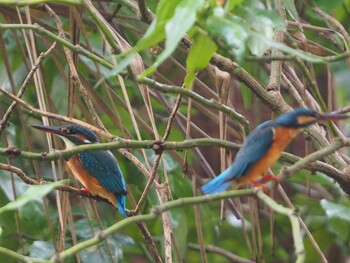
{"points": [[220, 183], [121, 199]]}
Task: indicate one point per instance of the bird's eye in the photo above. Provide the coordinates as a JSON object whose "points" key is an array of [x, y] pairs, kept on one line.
{"points": [[66, 130]]}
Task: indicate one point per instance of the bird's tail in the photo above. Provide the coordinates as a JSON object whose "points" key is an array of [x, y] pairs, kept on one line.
{"points": [[121, 200], [218, 184]]}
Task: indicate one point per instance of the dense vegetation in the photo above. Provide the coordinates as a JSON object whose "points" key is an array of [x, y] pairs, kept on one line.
{"points": [[172, 87]]}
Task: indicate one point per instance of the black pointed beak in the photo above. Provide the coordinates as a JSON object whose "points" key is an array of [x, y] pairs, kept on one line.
{"points": [[332, 116], [49, 129]]}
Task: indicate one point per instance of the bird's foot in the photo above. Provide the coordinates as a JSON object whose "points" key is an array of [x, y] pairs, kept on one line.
{"points": [[84, 189], [268, 178], [257, 184]]}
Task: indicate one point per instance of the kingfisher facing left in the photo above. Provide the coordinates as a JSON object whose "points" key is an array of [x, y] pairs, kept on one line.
{"points": [[263, 146], [98, 171]]}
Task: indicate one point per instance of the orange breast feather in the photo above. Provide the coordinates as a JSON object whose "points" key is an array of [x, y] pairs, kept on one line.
{"points": [[282, 137], [90, 182]]}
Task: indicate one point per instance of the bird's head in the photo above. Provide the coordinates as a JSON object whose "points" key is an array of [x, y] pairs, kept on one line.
{"points": [[303, 117], [71, 134]]}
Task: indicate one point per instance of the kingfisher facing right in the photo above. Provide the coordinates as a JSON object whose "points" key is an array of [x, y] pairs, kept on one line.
{"points": [[263, 146], [98, 171]]}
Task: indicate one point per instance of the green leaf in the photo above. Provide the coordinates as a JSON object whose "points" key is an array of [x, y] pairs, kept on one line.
{"points": [[290, 6], [42, 249], [33, 192], [156, 31], [180, 229], [231, 4], [200, 53], [229, 32], [183, 19], [246, 95], [341, 228], [121, 66], [291, 51], [324, 240], [263, 22], [333, 209], [154, 34]]}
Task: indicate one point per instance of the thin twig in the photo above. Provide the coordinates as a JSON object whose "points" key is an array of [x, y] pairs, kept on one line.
{"points": [[218, 250], [195, 96]]}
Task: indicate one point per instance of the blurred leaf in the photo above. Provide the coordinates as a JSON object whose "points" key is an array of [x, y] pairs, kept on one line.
{"points": [[264, 22], [291, 51], [33, 192], [120, 67], [246, 95], [156, 31], [183, 19], [229, 32], [231, 4], [154, 34], [201, 51], [42, 249], [290, 6], [6, 185], [100, 253], [180, 229], [341, 228], [329, 6], [33, 217], [333, 209], [324, 240]]}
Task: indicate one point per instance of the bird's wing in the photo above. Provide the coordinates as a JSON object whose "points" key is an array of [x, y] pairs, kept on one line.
{"points": [[104, 167], [254, 147]]}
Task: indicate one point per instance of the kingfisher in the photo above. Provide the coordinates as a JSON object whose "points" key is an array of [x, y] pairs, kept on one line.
{"points": [[98, 171], [263, 146]]}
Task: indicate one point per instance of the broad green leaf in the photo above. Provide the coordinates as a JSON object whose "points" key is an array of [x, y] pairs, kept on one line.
{"points": [[33, 192], [333, 209], [200, 53], [189, 78], [231, 4], [156, 31], [340, 227], [42, 249], [291, 51], [229, 32], [329, 6], [264, 22], [290, 6], [246, 95], [325, 240], [121, 66], [154, 34], [183, 19], [179, 222]]}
